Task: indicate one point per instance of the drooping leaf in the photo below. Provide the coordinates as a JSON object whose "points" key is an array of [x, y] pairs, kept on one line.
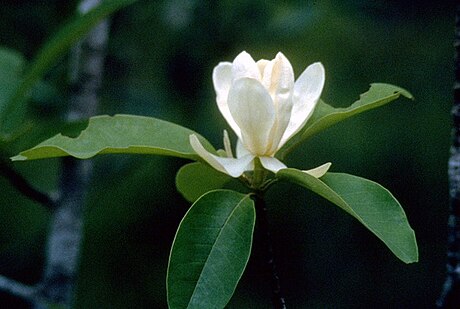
{"points": [[195, 179], [46, 58], [119, 134], [370, 203], [325, 115], [210, 250]]}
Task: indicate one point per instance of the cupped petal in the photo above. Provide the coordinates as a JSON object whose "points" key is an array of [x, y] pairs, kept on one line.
{"points": [[227, 145], [306, 93], [278, 75], [245, 66], [240, 150], [261, 65], [222, 80], [319, 171], [252, 109], [230, 166], [278, 78], [272, 164]]}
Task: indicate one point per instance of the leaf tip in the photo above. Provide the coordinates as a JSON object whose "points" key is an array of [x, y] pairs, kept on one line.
{"points": [[19, 158], [396, 90], [406, 94]]}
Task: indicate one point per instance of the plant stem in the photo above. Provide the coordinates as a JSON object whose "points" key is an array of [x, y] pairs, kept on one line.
{"points": [[66, 231], [278, 299], [17, 288], [23, 186], [450, 295], [259, 175]]}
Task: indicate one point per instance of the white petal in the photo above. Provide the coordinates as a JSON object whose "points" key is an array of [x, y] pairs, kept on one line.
{"points": [[222, 80], [319, 171], [252, 108], [261, 65], [227, 145], [278, 75], [307, 90], [272, 164], [230, 166], [240, 150], [245, 66], [279, 78]]}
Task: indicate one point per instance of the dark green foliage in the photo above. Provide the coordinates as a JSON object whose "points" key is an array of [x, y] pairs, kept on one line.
{"points": [[161, 69]]}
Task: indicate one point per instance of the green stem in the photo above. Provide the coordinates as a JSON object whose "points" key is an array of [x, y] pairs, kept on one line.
{"points": [[258, 178]]}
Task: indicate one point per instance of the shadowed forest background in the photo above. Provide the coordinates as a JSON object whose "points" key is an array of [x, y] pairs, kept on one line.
{"points": [[159, 63]]}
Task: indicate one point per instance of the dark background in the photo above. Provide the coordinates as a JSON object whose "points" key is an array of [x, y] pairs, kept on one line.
{"points": [[159, 63]]}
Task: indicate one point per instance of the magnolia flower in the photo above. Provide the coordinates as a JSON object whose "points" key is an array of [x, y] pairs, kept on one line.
{"points": [[264, 107]]}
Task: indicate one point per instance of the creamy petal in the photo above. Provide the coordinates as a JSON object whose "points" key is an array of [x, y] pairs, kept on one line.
{"points": [[272, 164], [261, 65], [319, 171], [245, 66], [227, 145], [307, 90], [252, 108], [222, 80], [240, 150], [279, 77], [230, 166]]}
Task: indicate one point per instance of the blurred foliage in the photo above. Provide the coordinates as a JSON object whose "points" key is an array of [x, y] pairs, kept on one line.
{"points": [[159, 64]]}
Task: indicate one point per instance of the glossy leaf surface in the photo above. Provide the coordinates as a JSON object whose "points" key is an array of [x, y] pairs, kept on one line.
{"points": [[195, 179], [370, 203], [210, 250]]}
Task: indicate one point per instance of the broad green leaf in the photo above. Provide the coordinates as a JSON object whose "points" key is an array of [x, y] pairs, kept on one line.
{"points": [[325, 115], [195, 179], [119, 134], [50, 53], [370, 203], [210, 250]]}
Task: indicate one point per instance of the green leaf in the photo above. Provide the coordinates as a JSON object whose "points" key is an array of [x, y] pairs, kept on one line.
{"points": [[195, 179], [370, 203], [12, 62], [50, 53], [325, 115], [11, 66], [119, 134], [210, 251], [34, 132]]}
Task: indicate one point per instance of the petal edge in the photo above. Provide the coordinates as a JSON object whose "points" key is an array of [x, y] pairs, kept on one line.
{"points": [[319, 171], [229, 166]]}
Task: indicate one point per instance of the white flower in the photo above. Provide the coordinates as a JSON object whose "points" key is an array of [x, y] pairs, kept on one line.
{"points": [[264, 107]]}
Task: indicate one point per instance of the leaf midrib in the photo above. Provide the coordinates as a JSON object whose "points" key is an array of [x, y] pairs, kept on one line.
{"points": [[213, 247]]}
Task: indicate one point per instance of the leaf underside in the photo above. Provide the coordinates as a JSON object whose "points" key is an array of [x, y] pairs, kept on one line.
{"points": [[325, 115], [119, 134]]}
